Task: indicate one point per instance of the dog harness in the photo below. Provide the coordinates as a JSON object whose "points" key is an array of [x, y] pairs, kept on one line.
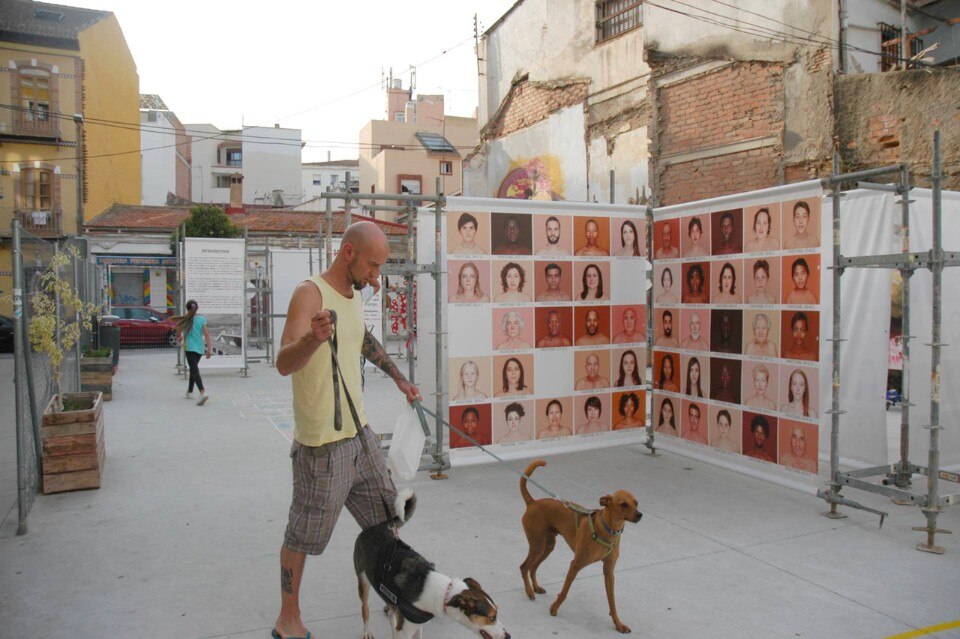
{"points": [[580, 511], [388, 567]]}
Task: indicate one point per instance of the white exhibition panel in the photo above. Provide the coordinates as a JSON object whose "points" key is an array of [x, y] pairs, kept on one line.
{"points": [[469, 332], [288, 267], [921, 319], [214, 271]]}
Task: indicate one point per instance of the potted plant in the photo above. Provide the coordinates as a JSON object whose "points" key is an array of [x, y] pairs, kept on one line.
{"points": [[72, 423], [96, 371]]}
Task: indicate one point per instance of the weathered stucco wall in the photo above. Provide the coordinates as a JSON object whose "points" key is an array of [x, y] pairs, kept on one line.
{"points": [[890, 117]]}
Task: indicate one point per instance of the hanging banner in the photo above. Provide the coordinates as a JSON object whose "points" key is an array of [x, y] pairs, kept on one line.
{"points": [[545, 312], [738, 318], [214, 277]]}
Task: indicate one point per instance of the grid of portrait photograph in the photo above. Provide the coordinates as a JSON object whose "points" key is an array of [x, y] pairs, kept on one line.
{"points": [[546, 317], [736, 338]]}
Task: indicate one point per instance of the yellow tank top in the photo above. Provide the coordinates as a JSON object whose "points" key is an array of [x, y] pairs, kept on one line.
{"points": [[313, 406]]}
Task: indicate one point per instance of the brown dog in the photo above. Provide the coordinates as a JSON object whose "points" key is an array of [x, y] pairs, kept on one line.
{"points": [[592, 537]]}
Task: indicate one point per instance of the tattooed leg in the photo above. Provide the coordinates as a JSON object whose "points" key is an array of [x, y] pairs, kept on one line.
{"points": [[289, 623]]}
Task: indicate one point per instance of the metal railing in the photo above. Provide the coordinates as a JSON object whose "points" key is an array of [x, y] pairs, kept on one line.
{"points": [[41, 223]]}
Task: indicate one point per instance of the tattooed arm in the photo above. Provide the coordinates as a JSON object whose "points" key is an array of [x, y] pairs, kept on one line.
{"points": [[375, 353]]}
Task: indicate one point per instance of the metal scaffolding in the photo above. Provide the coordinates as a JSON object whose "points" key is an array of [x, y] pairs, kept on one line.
{"points": [[906, 262]]}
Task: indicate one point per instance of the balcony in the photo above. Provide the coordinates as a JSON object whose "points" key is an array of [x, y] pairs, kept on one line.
{"points": [[36, 123], [41, 223]]}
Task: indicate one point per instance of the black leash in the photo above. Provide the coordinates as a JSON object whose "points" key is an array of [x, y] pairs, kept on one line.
{"points": [[337, 374]]}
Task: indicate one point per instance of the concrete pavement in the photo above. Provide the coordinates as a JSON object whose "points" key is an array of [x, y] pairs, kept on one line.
{"points": [[183, 538]]}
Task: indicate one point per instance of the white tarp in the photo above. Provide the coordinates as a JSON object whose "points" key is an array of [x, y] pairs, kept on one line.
{"points": [[921, 318]]}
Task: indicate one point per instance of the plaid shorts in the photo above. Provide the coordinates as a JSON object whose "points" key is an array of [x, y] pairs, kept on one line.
{"points": [[325, 478]]}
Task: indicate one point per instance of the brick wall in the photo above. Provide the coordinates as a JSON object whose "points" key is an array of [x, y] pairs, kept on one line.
{"points": [[720, 175], [731, 104], [532, 102]]}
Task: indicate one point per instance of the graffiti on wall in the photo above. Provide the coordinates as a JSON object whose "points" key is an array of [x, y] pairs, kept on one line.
{"points": [[539, 178]]}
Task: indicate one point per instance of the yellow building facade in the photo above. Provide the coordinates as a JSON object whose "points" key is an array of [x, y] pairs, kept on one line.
{"points": [[58, 63]]}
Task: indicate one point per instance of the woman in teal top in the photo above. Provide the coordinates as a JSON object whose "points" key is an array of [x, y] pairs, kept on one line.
{"points": [[193, 334]]}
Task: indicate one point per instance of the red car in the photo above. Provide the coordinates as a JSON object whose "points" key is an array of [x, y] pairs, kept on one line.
{"points": [[144, 326]]}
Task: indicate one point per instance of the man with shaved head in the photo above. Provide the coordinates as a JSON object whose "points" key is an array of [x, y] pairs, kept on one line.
{"points": [[336, 456], [593, 379]]}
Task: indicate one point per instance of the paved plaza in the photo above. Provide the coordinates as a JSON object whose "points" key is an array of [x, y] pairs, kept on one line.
{"points": [[182, 540]]}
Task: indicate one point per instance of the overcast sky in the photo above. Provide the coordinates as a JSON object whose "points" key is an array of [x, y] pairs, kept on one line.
{"points": [[310, 65]]}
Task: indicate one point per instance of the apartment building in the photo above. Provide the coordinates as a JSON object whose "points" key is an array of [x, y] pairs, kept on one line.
{"points": [[164, 153]]}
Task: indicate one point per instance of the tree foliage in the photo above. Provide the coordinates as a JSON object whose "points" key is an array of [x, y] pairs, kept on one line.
{"points": [[207, 221]]}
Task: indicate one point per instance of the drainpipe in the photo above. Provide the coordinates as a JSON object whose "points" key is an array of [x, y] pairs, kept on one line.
{"points": [[78, 119], [843, 36]]}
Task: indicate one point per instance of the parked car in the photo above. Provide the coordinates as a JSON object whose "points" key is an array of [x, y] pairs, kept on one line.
{"points": [[6, 334], [144, 326]]}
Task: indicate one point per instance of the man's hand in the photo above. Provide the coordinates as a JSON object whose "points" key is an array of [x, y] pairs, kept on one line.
{"points": [[321, 325], [409, 389]]}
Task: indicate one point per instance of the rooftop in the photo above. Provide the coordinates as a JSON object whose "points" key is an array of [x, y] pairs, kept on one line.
{"points": [[333, 163], [45, 24]]}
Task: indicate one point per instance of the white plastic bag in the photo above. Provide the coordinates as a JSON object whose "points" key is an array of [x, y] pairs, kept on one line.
{"points": [[406, 445]]}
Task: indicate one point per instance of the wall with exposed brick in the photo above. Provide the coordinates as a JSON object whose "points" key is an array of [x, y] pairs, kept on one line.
{"points": [[731, 104], [532, 102], [720, 175]]}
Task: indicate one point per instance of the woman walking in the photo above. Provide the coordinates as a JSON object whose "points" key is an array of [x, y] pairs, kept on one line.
{"points": [[193, 334]]}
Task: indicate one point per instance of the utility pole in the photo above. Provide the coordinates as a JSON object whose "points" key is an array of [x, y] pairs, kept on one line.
{"points": [[78, 119], [904, 43]]}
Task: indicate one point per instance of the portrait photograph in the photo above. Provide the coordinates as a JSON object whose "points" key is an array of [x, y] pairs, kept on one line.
{"points": [[762, 228], [513, 329], [511, 233], [592, 413], [695, 329], [514, 421], [627, 366], [760, 383], [469, 379], [554, 326], [800, 280], [665, 415], [552, 235], [695, 240], [472, 419], [726, 330], [725, 377], [629, 324], [666, 327], [591, 325], [591, 369], [628, 237], [591, 236], [695, 375], [761, 279], [666, 284], [666, 239], [666, 371], [591, 282], [800, 331], [760, 436], [726, 230], [724, 428], [513, 375], [801, 224], [468, 281], [553, 281], [799, 395], [629, 409], [511, 281], [798, 445], [727, 284], [468, 233], [555, 417], [695, 283], [761, 333], [693, 421]]}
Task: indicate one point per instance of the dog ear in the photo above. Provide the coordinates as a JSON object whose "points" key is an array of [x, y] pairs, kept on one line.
{"points": [[472, 584], [605, 500]]}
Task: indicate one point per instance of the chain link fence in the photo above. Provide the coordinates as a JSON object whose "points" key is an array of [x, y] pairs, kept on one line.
{"points": [[33, 375]]}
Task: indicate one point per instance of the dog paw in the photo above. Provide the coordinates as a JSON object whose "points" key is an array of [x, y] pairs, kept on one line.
{"points": [[553, 610], [539, 591], [623, 628], [531, 596]]}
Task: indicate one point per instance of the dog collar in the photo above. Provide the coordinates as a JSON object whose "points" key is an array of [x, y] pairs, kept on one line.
{"points": [[608, 528], [446, 596]]}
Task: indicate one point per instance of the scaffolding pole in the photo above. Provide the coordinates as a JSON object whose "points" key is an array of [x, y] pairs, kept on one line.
{"points": [[438, 321], [648, 385]]}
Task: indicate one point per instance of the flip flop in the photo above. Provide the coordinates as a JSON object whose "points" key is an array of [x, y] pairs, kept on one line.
{"points": [[276, 635]]}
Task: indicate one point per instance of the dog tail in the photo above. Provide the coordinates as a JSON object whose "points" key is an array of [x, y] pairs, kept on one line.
{"points": [[535, 464], [405, 504]]}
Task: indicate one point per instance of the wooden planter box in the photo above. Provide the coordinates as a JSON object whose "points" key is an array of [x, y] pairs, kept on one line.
{"points": [[96, 374], [73, 445]]}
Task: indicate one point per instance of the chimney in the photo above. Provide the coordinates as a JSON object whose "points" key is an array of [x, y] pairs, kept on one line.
{"points": [[236, 193], [328, 156]]}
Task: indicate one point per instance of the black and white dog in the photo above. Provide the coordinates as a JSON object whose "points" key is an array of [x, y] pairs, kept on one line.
{"points": [[414, 592]]}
